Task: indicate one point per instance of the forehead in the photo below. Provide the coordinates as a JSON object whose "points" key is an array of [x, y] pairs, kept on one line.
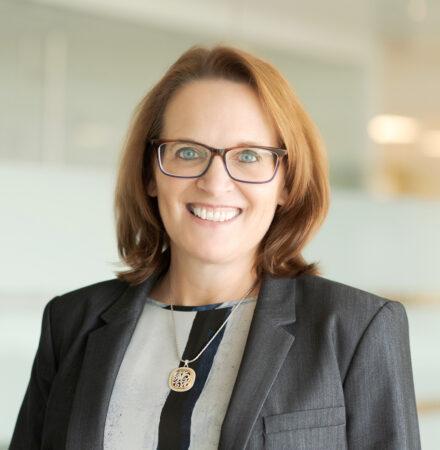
{"points": [[218, 112]]}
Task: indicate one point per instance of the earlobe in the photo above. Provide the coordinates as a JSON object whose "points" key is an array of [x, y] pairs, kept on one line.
{"points": [[282, 197], [151, 188]]}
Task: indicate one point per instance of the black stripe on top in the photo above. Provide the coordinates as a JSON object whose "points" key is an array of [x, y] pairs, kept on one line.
{"points": [[175, 418]]}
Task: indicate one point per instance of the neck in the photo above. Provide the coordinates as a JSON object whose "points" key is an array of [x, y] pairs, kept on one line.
{"points": [[195, 284]]}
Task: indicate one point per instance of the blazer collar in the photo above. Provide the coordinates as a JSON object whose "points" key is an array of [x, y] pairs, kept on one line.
{"points": [[269, 340]]}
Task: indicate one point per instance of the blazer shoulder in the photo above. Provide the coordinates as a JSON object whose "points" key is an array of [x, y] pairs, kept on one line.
{"points": [[87, 301], [74, 313], [343, 299], [344, 313]]}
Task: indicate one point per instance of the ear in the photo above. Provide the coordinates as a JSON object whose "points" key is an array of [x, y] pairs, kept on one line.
{"points": [[282, 197], [152, 188]]}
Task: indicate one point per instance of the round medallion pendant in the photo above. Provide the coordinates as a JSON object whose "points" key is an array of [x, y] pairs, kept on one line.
{"points": [[182, 379]]}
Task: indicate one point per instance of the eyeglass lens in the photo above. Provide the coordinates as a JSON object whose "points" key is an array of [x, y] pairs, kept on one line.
{"points": [[190, 160]]}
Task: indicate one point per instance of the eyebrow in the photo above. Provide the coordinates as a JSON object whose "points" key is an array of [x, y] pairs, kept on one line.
{"points": [[248, 143], [239, 144]]}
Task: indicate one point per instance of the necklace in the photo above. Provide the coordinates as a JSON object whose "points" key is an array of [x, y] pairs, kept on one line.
{"points": [[182, 378]]}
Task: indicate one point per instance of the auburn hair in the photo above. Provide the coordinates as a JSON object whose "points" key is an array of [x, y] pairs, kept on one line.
{"points": [[143, 244]]}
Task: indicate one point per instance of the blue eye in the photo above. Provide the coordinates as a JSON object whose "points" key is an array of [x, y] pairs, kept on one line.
{"points": [[248, 156], [187, 153]]}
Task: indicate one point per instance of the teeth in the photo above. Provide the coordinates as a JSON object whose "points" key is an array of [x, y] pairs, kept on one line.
{"points": [[214, 215]]}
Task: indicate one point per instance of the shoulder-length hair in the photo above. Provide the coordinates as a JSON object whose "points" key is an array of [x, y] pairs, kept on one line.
{"points": [[143, 243]]}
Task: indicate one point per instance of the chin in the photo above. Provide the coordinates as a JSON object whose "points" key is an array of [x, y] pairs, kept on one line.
{"points": [[212, 255]]}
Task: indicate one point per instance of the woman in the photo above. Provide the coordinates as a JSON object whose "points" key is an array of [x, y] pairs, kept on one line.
{"points": [[220, 334]]}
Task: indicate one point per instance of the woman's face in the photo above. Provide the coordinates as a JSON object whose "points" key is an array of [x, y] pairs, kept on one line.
{"points": [[219, 113]]}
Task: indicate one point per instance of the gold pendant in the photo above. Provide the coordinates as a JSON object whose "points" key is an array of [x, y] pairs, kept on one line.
{"points": [[182, 378]]}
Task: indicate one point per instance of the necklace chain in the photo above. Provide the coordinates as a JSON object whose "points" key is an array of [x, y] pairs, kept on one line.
{"points": [[187, 361]]}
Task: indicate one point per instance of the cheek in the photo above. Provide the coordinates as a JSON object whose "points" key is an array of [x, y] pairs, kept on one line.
{"points": [[169, 193], [261, 216], [263, 202], [168, 211]]}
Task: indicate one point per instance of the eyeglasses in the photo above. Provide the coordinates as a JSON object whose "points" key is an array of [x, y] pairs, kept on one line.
{"points": [[191, 159]]}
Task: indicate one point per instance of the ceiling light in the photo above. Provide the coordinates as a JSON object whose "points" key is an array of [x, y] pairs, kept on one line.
{"points": [[393, 129]]}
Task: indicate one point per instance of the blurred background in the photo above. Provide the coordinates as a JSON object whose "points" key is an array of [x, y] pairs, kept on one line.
{"points": [[71, 74]]}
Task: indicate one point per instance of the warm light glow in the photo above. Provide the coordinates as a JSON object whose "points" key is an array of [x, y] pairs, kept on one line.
{"points": [[430, 143], [392, 129], [417, 10]]}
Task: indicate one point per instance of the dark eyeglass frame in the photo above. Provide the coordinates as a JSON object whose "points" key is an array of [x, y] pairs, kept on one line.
{"points": [[279, 152]]}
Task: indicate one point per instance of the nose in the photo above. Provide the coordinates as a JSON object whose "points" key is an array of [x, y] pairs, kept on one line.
{"points": [[216, 179]]}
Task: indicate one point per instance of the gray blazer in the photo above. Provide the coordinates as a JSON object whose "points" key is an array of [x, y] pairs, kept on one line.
{"points": [[325, 366]]}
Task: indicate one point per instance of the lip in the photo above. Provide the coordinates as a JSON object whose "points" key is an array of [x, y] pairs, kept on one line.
{"points": [[209, 223]]}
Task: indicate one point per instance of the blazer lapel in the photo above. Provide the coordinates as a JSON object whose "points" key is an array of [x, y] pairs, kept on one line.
{"points": [[103, 356], [269, 340]]}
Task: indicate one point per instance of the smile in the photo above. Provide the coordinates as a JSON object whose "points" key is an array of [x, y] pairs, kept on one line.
{"points": [[218, 215]]}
